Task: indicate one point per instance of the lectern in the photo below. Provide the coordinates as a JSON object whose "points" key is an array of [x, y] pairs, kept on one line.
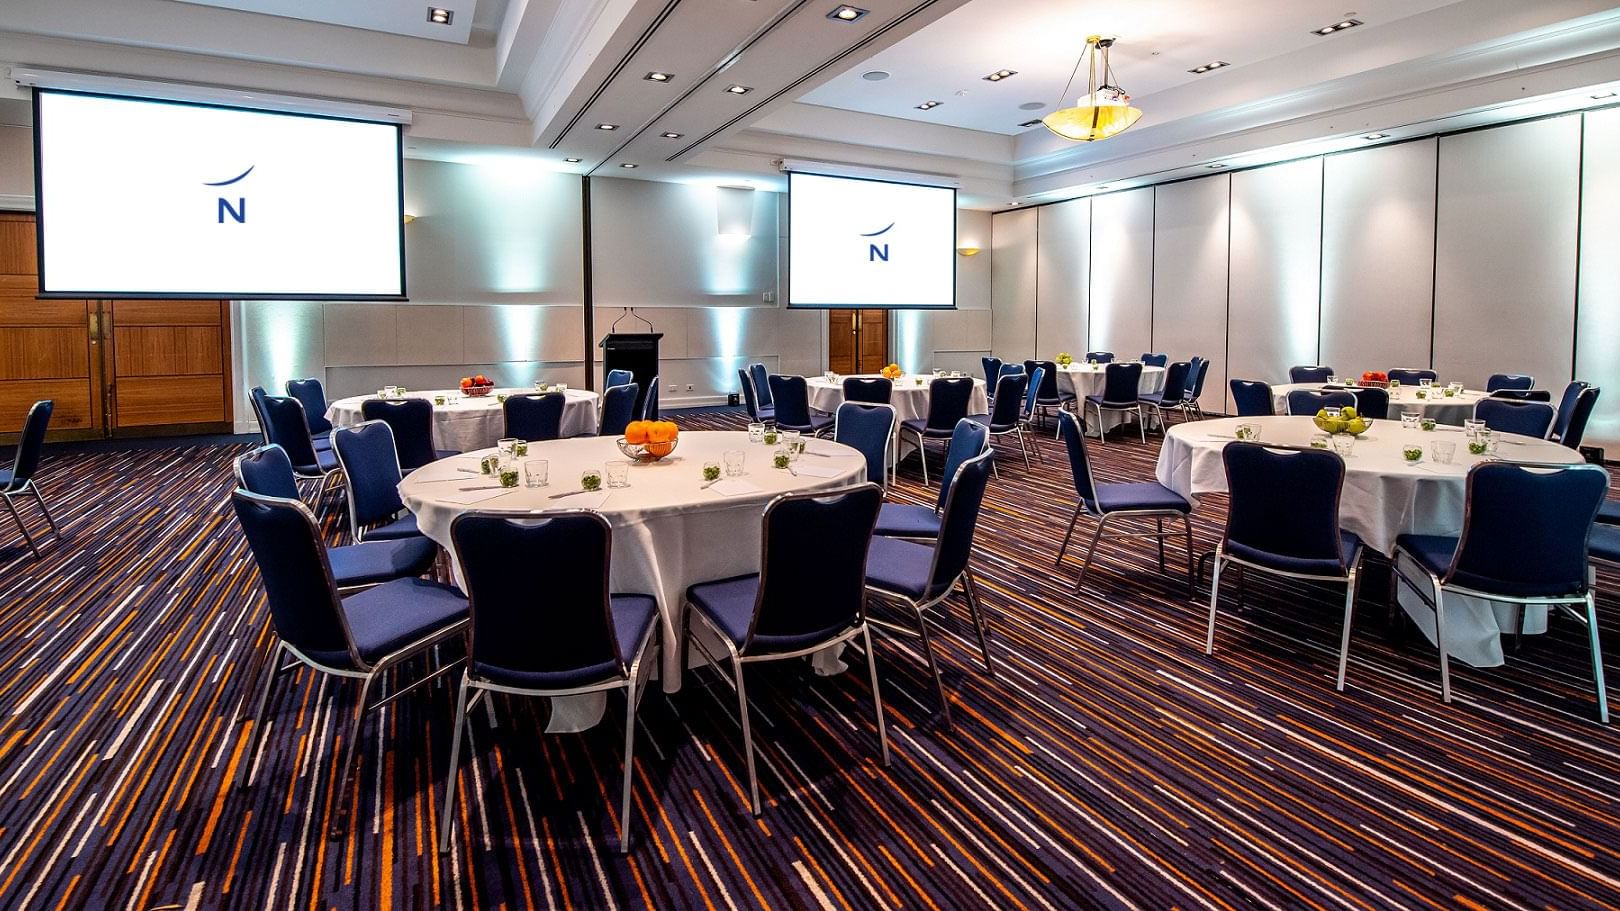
{"points": [[636, 352]]}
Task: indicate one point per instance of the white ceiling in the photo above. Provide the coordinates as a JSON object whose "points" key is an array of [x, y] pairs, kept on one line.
{"points": [[397, 17], [1158, 42]]}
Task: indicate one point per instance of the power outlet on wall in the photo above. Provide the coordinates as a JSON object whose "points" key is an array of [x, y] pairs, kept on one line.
{"points": [[688, 387]]}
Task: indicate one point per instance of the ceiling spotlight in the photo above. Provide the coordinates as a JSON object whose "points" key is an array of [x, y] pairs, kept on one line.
{"points": [[571, 160], [1200, 70], [1376, 136], [607, 126], [1215, 165], [672, 135], [1339, 26], [1032, 106], [656, 76], [629, 165], [440, 16], [846, 13], [1030, 123], [875, 75], [1602, 95], [999, 75], [929, 105], [739, 89]]}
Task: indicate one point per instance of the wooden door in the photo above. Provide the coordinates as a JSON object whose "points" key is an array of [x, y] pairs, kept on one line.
{"points": [[48, 349], [170, 366], [857, 341]]}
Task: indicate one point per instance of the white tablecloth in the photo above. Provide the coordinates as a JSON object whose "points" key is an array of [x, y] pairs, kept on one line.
{"points": [[1080, 380], [668, 533], [475, 422], [1453, 410], [910, 399], [1383, 497]]}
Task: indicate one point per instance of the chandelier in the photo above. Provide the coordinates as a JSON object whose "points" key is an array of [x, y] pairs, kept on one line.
{"points": [[1105, 110]]}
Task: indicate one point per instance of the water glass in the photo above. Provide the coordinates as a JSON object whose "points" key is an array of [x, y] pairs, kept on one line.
{"points": [[390, 391], [618, 473], [535, 471], [793, 441], [1472, 426], [1409, 419], [562, 387], [781, 459], [1455, 387], [711, 472], [1425, 382], [509, 474], [438, 400], [1248, 432], [1442, 451], [734, 462], [1344, 444], [507, 446], [1335, 381], [1321, 441], [1333, 411], [590, 479], [756, 433]]}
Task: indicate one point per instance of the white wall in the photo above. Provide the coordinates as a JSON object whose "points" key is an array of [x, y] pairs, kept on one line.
{"points": [[1597, 335], [1121, 274], [16, 167], [1189, 277], [1014, 285], [1063, 269]]}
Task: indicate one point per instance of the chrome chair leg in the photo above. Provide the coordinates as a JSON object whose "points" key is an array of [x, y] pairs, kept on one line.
{"points": [[1192, 585], [1063, 549], [1022, 447], [17, 517], [629, 764], [1141, 426], [1349, 616], [1101, 433], [978, 619], [1091, 551], [933, 666], [351, 756], [33, 487], [1597, 659], [1214, 597], [272, 670], [748, 733], [922, 456], [1440, 641], [1158, 527], [877, 697], [447, 817]]}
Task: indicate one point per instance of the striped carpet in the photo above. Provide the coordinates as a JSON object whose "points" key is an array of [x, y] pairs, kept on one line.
{"points": [[1108, 765]]}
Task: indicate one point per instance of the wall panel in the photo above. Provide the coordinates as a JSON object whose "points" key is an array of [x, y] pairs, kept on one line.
{"points": [[1189, 277], [1597, 352], [1121, 274], [1012, 285], [1378, 257], [1062, 264], [1275, 272], [1505, 252]]}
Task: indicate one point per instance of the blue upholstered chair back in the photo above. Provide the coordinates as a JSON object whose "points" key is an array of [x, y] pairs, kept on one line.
{"points": [[877, 390], [1309, 374], [958, 521], [297, 579], [1525, 529], [534, 417], [1155, 360], [649, 405], [1574, 424], [256, 397], [968, 440], [371, 466], [1101, 357], [812, 581], [992, 369], [267, 472], [1514, 381], [1533, 419], [1010, 370], [1524, 395], [30, 442], [618, 378], [1252, 398], [1032, 391], [1009, 403], [1567, 407], [762, 385], [1073, 430], [538, 598], [1198, 385], [1284, 502], [1195, 378], [1046, 391], [1175, 381], [1372, 402], [618, 409], [412, 423], [1120, 383], [866, 427], [1308, 402], [948, 399], [792, 397], [285, 426], [312, 396], [1411, 376], [750, 393]]}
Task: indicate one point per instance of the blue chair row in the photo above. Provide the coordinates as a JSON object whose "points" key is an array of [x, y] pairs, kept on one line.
{"points": [[754, 395], [20, 477]]}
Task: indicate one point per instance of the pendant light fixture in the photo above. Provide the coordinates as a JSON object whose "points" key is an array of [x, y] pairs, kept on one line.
{"points": [[1105, 110]]}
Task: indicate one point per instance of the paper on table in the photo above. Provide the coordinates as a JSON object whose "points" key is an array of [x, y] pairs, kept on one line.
{"points": [[477, 495], [817, 469], [735, 487], [581, 501]]}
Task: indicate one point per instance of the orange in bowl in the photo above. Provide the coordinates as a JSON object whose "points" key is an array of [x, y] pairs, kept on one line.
{"points": [[636, 432]]}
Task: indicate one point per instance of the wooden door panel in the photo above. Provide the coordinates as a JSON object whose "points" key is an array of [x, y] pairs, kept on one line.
{"points": [[46, 349], [166, 313], [24, 310], [166, 350], [841, 340], [75, 406], [43, 352], [155, 400], [18, 256], [874, 353]]}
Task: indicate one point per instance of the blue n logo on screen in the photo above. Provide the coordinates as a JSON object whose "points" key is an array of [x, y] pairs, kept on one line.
{"points": [[874, 251], [238, 212]]}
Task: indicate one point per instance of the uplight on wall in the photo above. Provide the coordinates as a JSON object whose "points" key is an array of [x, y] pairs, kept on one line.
{"points": [[968, 251]]}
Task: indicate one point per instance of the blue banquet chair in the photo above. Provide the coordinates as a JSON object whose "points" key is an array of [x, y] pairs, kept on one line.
{"points": [[792, 397], [19, 479], [312, 396], [948, 399], [1314, 373], [618, 378], [877, 390], [1006, 413], [1411, 376], [1252, 398], [1169, 397], [412, 423], [922, 523], [750, 392], [1307, 402], [534, 417], [371, 477], [762, 385], [1513, 382], [1120, 395], [868, 428], [618, 409], [1531, 419]]}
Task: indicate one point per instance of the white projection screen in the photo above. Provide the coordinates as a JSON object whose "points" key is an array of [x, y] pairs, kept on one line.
{"points": [[162, 199], [870, 244]]}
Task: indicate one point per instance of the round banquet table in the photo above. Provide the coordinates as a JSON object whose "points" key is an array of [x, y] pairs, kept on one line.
{"points": [[1451, 410], [1080, 380], [1383, 497], [910, 399], [668, 531], [474, 422]]}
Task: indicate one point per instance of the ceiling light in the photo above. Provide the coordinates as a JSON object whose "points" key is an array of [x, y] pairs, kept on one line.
{"points": [[929, 105], [1376, 136], [607, 126], [1032, 106], [1215, 165], [672, 135], [440, 16], [1030, 123], [656, 76], [875, 75], [1215, 65], [999, 75], [571, 160], [846, 13], [629, 165], [1339, 26], [1602, 95], [739, 89], [1105, 110]]}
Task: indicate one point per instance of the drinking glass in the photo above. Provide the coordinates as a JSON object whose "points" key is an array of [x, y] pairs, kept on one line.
{"points": [[1321, 441], [507, 446], [438, 400], [793, 441], [756, 433], [562, 387], [535, 471], [1472, 426], [509, 474], [1333, 411], [711, 472], [1334, 381], [1455, 387], [1409, 419], [1248, 431], [781, 459], [1442, 451], [734, 462], [1425, 382], [618, 473], [1344, 444]]}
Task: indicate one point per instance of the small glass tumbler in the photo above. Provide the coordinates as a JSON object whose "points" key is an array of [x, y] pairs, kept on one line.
{"points": [[535, 471], [792, 441], [590, 479], [781, 459], [1425, 382], [1344, 444], [438, 400], [1321, 441], [756, 433], [507, 446], [1410, 419], [711, 472], [618, 473], [1472, 426], [1442, 451], [734, 459], [509, 474]]}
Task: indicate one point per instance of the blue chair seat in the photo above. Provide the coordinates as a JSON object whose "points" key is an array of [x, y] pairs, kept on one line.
{"points": [[393, 615], [1434, 553], [767, 413], [632, 615], [1609, 512], [321, 440], [402, 527], [730, 604], [1097, 399], [1348, 542], [984, 419], [325, 460], [1604, 544], [920, 425], [5, 478], [901, 567], [370, 562], [1142, 495], [907, 520], [1155, 398]]}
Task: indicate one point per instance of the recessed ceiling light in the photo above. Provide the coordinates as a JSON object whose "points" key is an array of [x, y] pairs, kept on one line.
{"points": [[1213, 65], [1376, 136], [1336, 27], [1602, 95], [1032, 106], [1215, 165], [607, 126], [1031, 123], [846, 13], [571, 160], [440, 16], [929, 105], [739, 89], [656, 76], [999, 75], [629, 165], [874, 75], [672, 135]]}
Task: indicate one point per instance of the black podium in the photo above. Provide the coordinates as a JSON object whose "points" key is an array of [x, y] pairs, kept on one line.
{"points": [[636, 352]]}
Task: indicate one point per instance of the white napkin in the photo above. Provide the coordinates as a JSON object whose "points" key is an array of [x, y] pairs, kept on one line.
{"points": [[580, 500], [735, 487], [817, 469], [477, 495]]}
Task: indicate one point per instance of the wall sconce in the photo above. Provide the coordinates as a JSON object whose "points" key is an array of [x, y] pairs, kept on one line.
{"points": [[409, 218], [967, 251], [734, 211]]}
